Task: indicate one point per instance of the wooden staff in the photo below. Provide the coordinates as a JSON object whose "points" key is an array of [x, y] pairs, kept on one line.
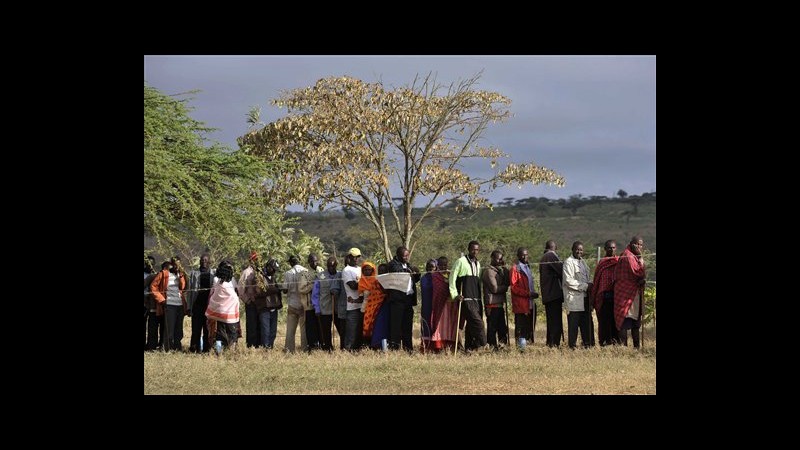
{"points": [[458, 322]]}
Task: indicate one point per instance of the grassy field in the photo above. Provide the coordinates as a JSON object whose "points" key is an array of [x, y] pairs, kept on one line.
{"points": [[539, 370]]}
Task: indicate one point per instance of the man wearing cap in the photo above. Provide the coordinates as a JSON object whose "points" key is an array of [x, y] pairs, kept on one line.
{"points": [[247, 283], [355, 318]]}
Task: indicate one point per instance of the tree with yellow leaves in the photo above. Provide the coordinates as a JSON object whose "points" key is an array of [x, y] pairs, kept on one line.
{"points": [[362, 146]]}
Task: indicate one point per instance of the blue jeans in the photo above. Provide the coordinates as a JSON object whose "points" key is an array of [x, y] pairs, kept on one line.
{"points": [[268, 319]]}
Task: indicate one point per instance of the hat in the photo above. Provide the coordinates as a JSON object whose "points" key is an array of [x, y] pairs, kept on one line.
{"points": [[354, 252]]}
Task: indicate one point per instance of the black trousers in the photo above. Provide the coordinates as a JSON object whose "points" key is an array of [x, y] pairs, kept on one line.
{"points": [[199, 327], [325, 338], [474, 330], [623, 333], [523, 326], [555, 325], [174, 327], [341, 324], [312, 330], [252, 326], [496, 329], [607, 332], [582, 320], [155, 330], [401, 316]]}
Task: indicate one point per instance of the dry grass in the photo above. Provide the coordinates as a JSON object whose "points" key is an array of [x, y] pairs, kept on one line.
{"points": [[539, 370]]}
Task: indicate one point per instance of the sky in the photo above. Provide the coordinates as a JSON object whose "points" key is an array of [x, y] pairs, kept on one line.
{"points": [[592, 119]]}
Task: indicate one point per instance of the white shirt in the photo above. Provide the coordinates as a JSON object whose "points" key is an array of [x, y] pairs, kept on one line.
{"points": [[351, 273], [173, 293]]}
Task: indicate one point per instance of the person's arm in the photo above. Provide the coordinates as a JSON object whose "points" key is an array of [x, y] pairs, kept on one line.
{"points": [[490, 280], [315, 297], [154, 288], [454, 274]]}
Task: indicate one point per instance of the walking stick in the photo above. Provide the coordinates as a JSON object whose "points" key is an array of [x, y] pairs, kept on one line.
{"points": [[458, 321], [508, 328]]}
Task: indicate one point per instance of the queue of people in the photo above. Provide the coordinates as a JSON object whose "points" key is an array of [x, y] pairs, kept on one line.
{"points": [[368, 313]]}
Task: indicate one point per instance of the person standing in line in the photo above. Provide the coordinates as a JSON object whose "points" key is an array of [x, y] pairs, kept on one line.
{"points": [[374, 297], [339, 297], [223, 309], [551, 271], [576, 289], [401, 303], [523, 293], [445, 310], [247, 291], [197, 300], [295, 314], [167, 288], [495, 286], [355, 318], [629, 281], [272, 303], [603, 295], [308, 280], [465, 285], [426, 311], [149, 304], [322, 298]]}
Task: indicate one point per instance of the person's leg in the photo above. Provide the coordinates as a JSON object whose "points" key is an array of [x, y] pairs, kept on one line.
{"points": [[587, 340], [529, 326], [491, 327], [555, 325], [273, 328], [572, 329], [623, 332], [312, 331], [408, 326], [351, 330], [475, 329], [397, 310], [264, 324], [251, 325], [326, 320], [341, 329], [503, 327], [635, 333], [170, 317], [152, 330], [301, 321], [292, 318]]}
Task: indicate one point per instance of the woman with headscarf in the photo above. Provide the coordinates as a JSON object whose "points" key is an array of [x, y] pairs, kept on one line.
{"points": [[445, 312], [374, 298]]}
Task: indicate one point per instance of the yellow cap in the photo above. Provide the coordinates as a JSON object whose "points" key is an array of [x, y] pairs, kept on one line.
{"points": [[354, 252]]}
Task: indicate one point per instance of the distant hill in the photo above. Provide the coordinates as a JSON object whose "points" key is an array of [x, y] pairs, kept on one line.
{"points": [[590, 220]]}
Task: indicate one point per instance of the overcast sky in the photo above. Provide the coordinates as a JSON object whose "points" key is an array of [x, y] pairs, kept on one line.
{"points": [[592, 119]]}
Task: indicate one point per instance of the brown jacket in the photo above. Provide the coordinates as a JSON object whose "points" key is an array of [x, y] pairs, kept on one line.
{"points": [[495, 285], [159, 289]]}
